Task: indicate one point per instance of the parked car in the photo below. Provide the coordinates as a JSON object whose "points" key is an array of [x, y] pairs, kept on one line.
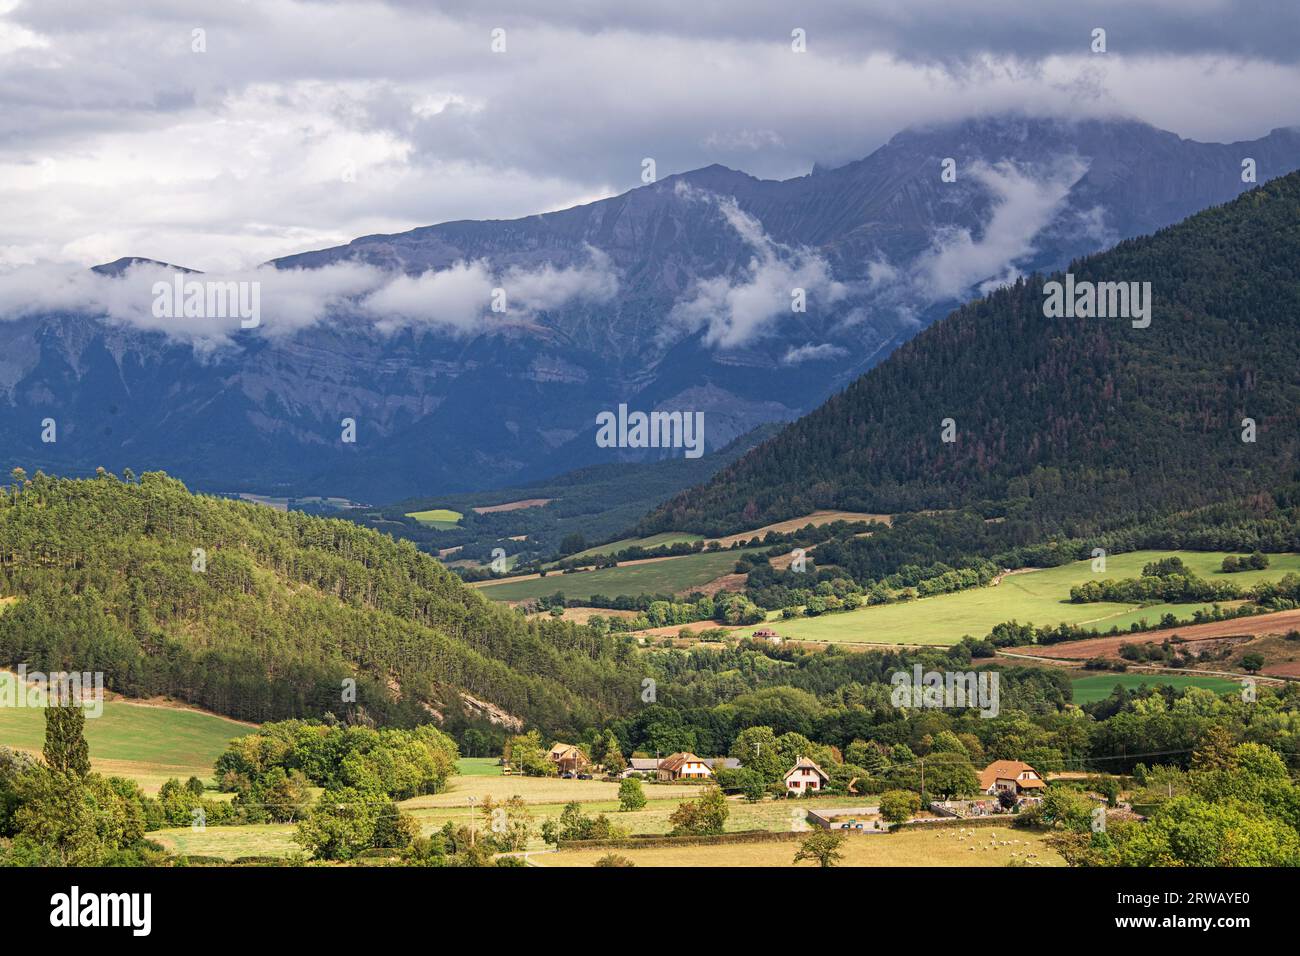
{"points": [[567, 775], [584, 776]]}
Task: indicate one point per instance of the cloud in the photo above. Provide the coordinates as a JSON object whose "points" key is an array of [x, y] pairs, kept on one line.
{"points": [[813, 353], [117, 139], [288, 299], [459, 299], [456, 300], [1024, 203], [550, 288], [735, 310]]}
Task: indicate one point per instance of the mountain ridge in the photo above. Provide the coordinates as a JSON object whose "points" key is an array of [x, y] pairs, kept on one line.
{"points": [[1062, 424], [701, 267]]}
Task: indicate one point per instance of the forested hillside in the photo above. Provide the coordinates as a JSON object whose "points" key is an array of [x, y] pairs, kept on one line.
{"points": [[1062, 424], [275, 613]]}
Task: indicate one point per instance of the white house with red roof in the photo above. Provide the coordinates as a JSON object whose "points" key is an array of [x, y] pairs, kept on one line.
{"points": [[1014, 775], [805, 776]]}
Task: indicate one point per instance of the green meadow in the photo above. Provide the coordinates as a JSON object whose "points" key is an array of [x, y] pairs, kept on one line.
{"points": [[146, 743], [441, 518], [1038, 597], [1095, 687], [669, 576], [478, 767]]}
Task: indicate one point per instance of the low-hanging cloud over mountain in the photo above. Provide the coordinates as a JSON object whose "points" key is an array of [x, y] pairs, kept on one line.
{"points": [[457, 300], [1024, 203], [735, 309]]}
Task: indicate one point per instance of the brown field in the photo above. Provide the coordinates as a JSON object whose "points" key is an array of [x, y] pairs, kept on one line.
{"points": [[514, 505], [581, 615], [1282, 656], [539, 790], [817, 518], [672, 630], [1242, 627], [1289, 668], [725, 582], [945, 846]]}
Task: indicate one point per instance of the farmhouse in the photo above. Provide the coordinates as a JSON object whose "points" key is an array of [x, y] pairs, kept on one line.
{"points": [[1013, 775], [687, 766], [684, 766], [640, 765], [767, 634], [805, 776], [568, 758]]}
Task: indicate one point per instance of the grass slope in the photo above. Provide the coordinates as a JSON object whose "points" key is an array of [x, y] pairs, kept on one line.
{"points": [[1095, 687], [440, 518], [651, 541], [666, 576], [146, 743], [1038, 597]]}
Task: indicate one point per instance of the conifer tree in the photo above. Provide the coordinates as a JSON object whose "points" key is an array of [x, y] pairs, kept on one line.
{"points": [[66, 749]]}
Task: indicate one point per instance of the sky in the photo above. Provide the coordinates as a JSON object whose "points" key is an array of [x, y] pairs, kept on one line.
{"points": [[219, 135]]}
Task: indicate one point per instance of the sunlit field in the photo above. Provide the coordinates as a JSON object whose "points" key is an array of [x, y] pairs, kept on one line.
{"points": [[946, 846], [1038, 597]]}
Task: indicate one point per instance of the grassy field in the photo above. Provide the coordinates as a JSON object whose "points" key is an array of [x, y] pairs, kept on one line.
{"points": [[938, 847], [667, 576], [478, 767], [479, 778], [145, 743], [1039, 597], [653, 818], [539, 790], [1095, 687], [441, 518], [816, 518], [228, 843], [945, 846], [277, 839], [653, 541]]}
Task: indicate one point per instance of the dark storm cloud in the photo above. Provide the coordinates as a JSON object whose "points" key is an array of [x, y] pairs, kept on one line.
{"points": [[304, 124]]}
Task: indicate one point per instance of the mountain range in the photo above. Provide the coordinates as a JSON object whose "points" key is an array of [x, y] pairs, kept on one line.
{"points": [[1052, 426], [675, 295]]}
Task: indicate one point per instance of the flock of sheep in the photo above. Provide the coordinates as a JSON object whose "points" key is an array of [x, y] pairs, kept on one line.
{"points": [[1028, 859]]}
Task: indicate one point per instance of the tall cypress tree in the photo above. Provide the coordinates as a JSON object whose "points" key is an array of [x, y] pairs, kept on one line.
{"points": [[66, 749]]}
